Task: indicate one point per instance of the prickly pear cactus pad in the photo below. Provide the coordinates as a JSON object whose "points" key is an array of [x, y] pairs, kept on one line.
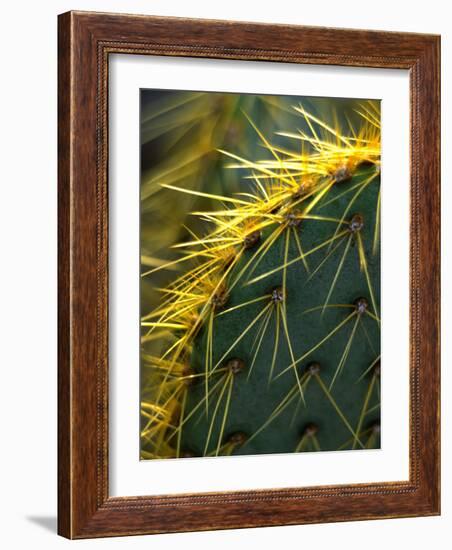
{"points": [[260, 279]]}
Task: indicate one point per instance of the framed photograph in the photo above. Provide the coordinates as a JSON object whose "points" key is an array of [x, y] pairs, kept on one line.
{"points": [[248, 275]]}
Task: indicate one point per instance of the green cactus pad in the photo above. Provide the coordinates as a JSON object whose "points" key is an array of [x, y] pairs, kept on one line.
{"points": [[253, 398]]}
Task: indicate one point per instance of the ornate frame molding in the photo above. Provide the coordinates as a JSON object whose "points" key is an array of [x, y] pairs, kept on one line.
{"points": [[85, 42]]}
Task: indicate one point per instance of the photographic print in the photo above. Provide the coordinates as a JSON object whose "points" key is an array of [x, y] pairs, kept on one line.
{"points": [[260, 274]]}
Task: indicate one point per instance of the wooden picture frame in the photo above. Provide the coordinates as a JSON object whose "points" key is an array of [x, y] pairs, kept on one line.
{"points": [[86, 40]]}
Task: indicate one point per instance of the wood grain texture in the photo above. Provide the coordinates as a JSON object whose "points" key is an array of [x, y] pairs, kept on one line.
{"points": [[85, 42], [64, 295]]}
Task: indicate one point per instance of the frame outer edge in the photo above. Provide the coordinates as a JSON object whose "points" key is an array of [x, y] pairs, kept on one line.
{"points": [[427, 234], [64, 278], [434, 59], [438, 144]]}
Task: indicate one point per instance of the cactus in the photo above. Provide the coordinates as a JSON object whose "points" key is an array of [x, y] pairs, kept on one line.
{"points": [[269, 339]]}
